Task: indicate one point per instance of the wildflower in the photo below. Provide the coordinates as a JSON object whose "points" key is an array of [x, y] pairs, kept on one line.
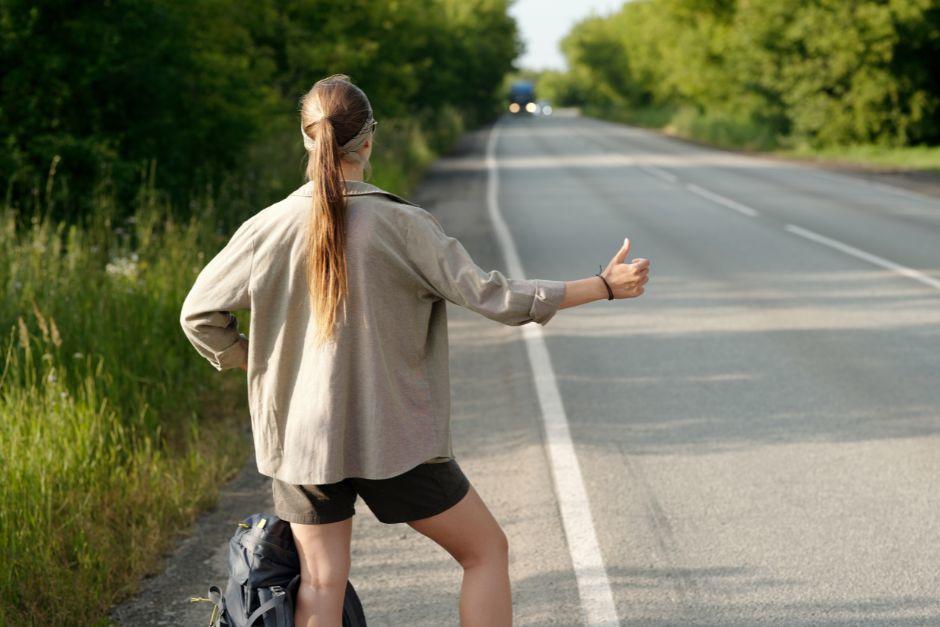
{"points": [[122, 266]]}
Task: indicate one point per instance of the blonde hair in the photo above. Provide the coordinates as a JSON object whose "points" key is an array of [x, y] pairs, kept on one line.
{"points": [[334, 116]]}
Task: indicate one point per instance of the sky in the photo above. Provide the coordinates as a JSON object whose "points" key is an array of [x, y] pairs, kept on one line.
{"points": [[542, 24]]}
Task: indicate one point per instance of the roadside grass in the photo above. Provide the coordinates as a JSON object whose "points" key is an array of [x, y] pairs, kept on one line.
{"points": [[114, 432], [924, 158], [112, 436], [725, 130]]}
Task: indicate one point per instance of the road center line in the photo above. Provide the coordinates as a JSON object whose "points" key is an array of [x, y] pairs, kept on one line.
{"points": [[597, 600], [721, 200], [910, 273]]}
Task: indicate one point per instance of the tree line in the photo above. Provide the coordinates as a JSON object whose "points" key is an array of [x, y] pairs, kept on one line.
{"points": [[816, 72], [106, 94]]}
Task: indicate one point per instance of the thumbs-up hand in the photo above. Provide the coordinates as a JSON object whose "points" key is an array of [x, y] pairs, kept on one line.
{"points": [[626, 279]]}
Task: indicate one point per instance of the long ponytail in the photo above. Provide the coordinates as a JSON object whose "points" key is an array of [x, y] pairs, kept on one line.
{"points": [[333, 112]]}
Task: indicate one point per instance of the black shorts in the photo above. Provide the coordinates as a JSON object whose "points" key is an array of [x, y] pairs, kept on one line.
{"points": [[425, 490]]}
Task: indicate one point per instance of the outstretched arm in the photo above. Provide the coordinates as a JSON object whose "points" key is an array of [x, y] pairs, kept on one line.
{"points": [[445, 268]]}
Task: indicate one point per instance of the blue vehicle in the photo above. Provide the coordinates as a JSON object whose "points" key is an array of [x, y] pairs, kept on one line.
{"points": [[522, 97]]}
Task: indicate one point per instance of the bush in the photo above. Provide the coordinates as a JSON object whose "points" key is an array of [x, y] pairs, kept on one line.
{"points": [[766, 72]]}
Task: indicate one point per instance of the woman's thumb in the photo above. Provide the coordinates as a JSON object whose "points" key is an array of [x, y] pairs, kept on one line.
{"points": [[623, 252]]}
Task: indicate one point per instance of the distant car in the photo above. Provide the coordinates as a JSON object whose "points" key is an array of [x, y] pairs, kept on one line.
{"points": [[544, 107], [522, 98]]}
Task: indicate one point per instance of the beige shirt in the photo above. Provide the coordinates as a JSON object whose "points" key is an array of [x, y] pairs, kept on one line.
{"points": [[375, 401]]}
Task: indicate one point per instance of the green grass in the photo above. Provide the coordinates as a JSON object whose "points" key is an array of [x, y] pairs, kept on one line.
{"points": [[112, 435], [926, 158], [725, 130], [718, 129], [114, 432]]}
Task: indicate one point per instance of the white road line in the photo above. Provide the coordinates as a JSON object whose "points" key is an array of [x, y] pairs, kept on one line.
{"points": [[721, 200], [910, 273], [597, 599], [659, 173]]}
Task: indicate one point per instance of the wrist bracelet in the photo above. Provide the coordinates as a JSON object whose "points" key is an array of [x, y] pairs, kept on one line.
{"points": [[610, 293]]}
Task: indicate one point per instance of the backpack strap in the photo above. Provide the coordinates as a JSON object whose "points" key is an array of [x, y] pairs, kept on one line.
{"points": [[276, 616], [265, 607], [282, 602], [218, 605]]}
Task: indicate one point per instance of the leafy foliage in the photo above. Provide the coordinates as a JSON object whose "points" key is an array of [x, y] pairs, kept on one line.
{"points": [[819, 72], [110, 88]]}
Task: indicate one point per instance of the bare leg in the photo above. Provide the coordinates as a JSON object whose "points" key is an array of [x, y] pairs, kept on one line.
{"points": [[472, 536], [324, 570]]}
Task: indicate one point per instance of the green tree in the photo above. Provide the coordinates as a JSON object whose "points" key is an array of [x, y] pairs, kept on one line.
{"points": [[817, 71]]}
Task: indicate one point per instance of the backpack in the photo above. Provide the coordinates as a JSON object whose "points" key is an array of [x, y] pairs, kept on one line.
{"points": [[264, 574]]}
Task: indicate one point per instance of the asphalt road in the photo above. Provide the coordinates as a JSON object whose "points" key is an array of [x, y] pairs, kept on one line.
{"points": [[757, 435]]}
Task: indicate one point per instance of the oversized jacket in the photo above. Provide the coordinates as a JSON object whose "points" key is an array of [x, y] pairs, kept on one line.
{"points": [[375, 401]]}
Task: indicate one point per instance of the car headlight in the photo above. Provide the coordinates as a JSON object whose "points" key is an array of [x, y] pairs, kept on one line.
{"points": [[514, 108], [531, 107]]}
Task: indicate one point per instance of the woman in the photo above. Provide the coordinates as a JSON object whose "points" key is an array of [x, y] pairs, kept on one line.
{"points": [[348, 366]]}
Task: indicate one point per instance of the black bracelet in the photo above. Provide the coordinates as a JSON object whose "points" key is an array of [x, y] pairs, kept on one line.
{"points": [[610, 293]]}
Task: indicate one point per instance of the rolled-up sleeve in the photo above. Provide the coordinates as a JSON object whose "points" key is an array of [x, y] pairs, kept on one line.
{"points": [[445, 268], [221, 288]]}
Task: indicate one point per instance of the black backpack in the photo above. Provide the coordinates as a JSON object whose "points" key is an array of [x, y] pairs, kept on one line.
{"points": [[264, 574]]}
